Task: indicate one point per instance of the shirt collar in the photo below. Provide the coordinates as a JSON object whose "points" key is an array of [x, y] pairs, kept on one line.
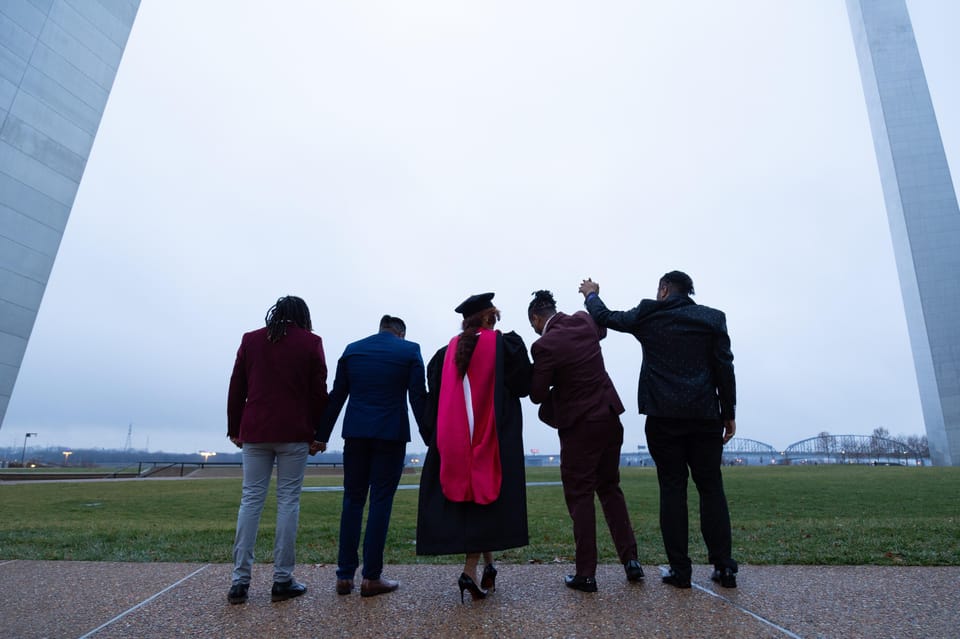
{"points": [[547, 323]]}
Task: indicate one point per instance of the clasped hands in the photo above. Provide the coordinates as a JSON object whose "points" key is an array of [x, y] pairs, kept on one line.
{"points": [[315, 446], [588, 286]]}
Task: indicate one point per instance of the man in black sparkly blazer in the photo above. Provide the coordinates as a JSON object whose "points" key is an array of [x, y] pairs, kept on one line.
{"points": [[687, 391]]}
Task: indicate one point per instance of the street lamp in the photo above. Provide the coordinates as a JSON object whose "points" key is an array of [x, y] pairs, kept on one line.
{"points": [[206, 454], [66, 457], [23, 454]]}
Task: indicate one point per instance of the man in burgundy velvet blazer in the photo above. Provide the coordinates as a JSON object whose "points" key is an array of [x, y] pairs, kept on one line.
{"points": [[278, 391], [578, 398]]}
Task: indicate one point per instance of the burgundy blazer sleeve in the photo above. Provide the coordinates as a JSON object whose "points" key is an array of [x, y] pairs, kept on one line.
{"points": [[542, 379], [237, 394]]}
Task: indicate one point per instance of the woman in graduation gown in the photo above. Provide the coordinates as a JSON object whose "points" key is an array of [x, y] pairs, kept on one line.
{"points": [[473, 497]]}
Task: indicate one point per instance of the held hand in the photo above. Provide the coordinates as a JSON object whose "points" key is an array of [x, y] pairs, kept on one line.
{"points": [[729, 429], [317, 447], [588, 286], [236, 441]]}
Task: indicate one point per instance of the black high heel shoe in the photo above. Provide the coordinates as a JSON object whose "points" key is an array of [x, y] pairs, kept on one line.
{"points": [[489, 579], [466, 583]]}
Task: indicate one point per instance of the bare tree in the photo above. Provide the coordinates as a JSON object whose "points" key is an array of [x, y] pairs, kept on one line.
{"points": [[919, 443], [823, 442]]}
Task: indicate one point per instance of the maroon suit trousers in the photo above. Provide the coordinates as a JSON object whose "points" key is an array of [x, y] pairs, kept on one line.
{"points": [[590, 465]]}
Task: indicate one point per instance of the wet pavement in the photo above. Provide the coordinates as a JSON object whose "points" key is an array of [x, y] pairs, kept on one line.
{"points": [[52, 599]]}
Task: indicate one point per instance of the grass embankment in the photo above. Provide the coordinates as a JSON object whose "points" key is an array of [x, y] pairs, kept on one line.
{"points": [[781, 515]]}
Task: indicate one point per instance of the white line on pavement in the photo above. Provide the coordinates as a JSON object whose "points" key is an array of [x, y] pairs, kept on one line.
{"points": [[143, 603]]}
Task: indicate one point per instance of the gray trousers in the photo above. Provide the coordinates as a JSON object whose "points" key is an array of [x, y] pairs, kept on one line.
{"points": [[291, 458]]}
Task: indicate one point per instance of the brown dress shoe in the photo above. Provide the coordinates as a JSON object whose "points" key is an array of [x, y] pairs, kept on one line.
{"points": [[373, 587], [344, 586]]}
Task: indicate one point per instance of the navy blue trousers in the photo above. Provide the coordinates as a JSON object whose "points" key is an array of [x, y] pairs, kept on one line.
{"points": [[370, 466]]}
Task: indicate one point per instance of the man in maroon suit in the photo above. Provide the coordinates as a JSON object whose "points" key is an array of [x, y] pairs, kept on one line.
{"points": [[278, 391], [578, 398]]}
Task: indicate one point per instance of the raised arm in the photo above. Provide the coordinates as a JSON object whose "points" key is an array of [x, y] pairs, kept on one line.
{"points": [[622, 321]]}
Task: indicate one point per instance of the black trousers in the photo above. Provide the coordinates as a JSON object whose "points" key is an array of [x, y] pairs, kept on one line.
{"points": [[677, 445]]}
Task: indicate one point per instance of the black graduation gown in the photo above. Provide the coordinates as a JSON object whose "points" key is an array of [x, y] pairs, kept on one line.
{"points": [[445, 527]]}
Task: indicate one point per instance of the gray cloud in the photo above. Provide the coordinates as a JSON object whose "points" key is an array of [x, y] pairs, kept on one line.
{"points": [[395, 158]]}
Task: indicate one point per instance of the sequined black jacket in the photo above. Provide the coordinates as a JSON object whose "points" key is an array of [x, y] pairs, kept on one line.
{"points": [[687, 369]]}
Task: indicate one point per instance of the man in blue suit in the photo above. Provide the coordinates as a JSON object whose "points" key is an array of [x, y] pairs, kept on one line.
{"points": [[378, 373]]}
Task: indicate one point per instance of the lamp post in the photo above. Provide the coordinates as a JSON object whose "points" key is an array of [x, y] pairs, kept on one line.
{"points": [[206, 454], [66, 457], [23, 454]]}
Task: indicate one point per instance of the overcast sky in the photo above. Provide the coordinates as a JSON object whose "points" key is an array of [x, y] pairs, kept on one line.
{"points": [[388, 157]]}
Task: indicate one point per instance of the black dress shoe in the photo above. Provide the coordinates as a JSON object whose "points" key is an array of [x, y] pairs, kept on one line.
{"points": [[374, 587], [583, 584], [725, 577], [283, 590], [676, 580], [344, 586], [238, 593], [634, 570]]}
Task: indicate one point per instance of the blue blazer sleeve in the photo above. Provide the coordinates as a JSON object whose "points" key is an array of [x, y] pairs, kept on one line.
{"points": [[417, 388], [338, 396]]}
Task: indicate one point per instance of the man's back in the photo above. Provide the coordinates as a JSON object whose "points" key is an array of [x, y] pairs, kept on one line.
{"points": [[377, 373], [277, 389], [687, 369], [568, 359]]}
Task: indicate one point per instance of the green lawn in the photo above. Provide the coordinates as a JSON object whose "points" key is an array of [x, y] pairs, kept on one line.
{"points": [[781, 515]]}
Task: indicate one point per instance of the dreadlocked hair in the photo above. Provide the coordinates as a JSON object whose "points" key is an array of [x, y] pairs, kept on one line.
{"points": [[288, 310], [542, 304], [470, 336]]}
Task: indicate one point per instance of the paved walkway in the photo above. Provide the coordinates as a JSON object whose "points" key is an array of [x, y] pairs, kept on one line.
{"points": [[76, 600]]}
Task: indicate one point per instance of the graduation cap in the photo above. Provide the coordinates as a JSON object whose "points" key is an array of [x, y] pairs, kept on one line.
{"points": [[475, 304]]}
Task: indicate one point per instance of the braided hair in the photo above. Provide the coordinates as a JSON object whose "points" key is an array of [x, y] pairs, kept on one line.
{"points": [[542, 304], [287, 310], [470, 336]]}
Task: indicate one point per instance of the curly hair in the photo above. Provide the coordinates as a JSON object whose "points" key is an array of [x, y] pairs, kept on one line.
{"points": [[469, 337], [287, 310]]}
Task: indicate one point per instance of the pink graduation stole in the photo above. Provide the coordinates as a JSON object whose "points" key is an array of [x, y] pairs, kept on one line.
{"points": [[469, 468]]}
